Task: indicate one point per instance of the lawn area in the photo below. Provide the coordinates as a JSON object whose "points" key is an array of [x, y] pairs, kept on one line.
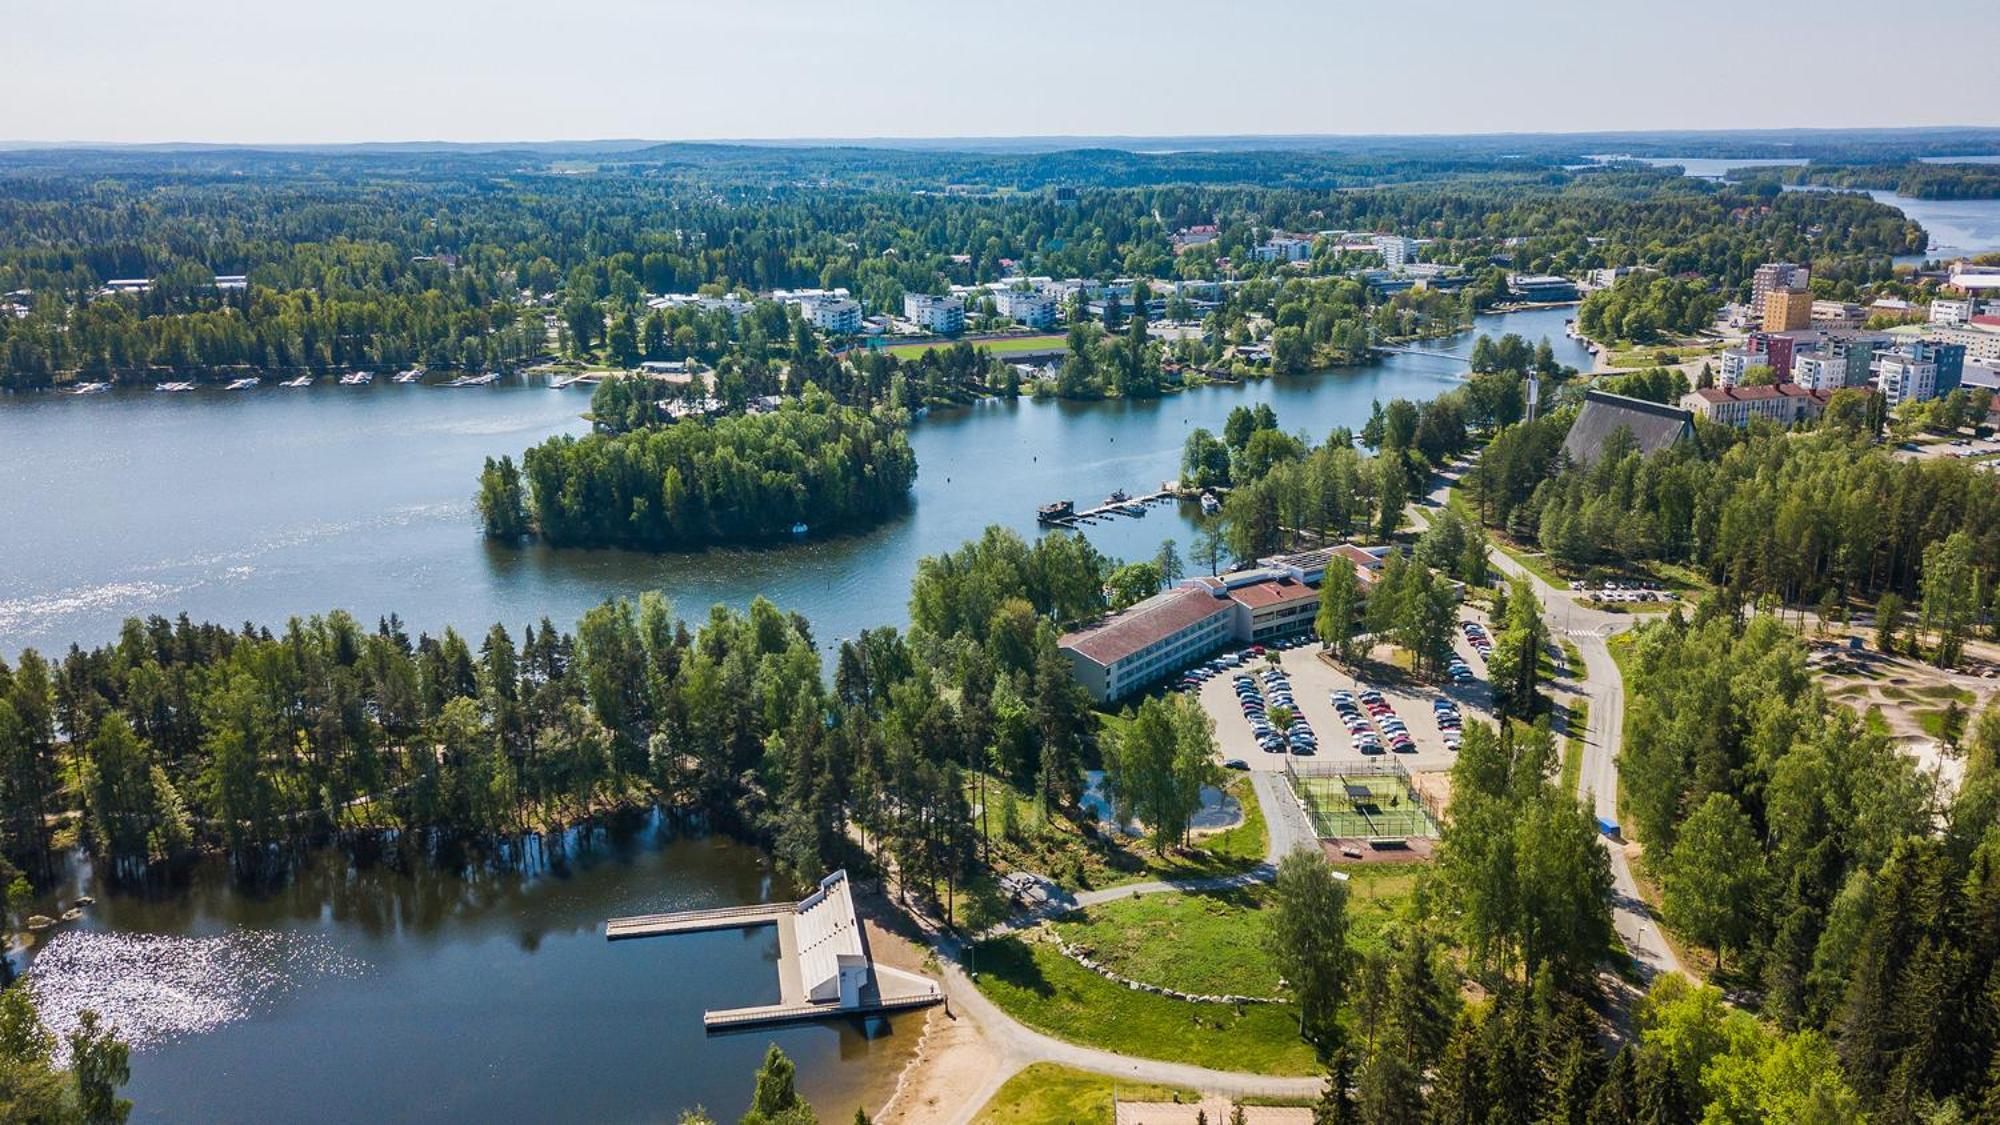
{"points": [[1039, 986], [1204, 943], [1081, 857], [1663, 355], [1577, 723], [1048, 1094], [1227, 852], [1005, 346], [1376, 893]]}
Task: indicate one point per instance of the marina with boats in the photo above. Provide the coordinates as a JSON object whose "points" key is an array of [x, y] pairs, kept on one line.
{"points": [[1065, 513]]}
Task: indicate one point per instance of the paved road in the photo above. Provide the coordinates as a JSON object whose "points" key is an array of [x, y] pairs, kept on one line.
{"points": [[1604, 688], [1018, 1045], [1286, 828]]}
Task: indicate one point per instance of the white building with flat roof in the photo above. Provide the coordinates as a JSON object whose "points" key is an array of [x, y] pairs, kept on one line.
{"points": [[1902, 379], [1396, 249], [837, 316], [942, 315], [1034, 309], [1283, 249]]}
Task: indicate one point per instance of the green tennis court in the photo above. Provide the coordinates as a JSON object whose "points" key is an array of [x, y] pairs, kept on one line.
{"points": [[1363, 806]]}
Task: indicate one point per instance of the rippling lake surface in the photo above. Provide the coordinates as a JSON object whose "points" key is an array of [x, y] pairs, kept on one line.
{"points": [[258, 505], [373, 994]]}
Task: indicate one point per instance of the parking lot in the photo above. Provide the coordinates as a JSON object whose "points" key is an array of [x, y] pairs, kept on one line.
{"points": [[1624, 590], [1404, 704]]}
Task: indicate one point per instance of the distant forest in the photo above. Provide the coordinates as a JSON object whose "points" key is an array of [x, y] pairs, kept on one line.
{"points": [[473, 260], [1915, 179]]}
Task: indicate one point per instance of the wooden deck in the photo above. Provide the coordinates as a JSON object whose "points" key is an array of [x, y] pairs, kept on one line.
{"points": [[696, 921]]}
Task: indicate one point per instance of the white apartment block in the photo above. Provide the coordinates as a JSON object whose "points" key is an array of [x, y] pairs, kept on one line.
{"points": [[1816, 372], [1901, 379], [1396, 249], [836, 316], [1283, 250], [942, 315], [1036, 310], [1947, 311]]}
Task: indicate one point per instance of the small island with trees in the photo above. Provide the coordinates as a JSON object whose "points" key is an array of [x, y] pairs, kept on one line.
{"points": [[810, 464]]}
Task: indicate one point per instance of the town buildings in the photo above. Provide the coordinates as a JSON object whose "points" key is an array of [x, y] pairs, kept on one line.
{"points": [[1782, 403], [944, 316], [1787, 310], [1837, 316], [1773, 276], [1137, 647], [1653, 425], [1541, 287], [1026, 306], [1396, 250], [1282, 248], [834, 315]]}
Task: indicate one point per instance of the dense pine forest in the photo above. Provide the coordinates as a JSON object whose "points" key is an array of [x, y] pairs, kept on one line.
{"points": [[810, 463], [181, 736]]}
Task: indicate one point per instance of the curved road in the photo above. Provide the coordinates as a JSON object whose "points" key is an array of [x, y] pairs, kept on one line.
{"points": [[1597, 782], [1018, 1045]]}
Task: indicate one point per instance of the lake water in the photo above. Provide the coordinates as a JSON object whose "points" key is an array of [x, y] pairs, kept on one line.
{"points": [[1958, 227], [376, 995], [379, 995], [257, 505]]}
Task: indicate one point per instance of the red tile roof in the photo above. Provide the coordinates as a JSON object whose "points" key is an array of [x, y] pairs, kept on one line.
{"points": [[1261, 595], [1155, 619], [1758, 394]]}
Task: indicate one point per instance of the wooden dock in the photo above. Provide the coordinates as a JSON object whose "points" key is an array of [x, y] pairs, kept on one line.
{"points": [[1133, 506], [697, 921]]}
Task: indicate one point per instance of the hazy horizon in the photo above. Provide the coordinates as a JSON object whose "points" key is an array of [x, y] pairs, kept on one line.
{"points": [[369, 71]]}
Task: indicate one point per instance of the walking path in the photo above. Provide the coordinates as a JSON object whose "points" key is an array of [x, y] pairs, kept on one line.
{"points": [[1018, 1045]]}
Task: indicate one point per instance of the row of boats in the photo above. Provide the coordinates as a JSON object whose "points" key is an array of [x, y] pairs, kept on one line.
{"points": [[1064, 513], [352, 379]]}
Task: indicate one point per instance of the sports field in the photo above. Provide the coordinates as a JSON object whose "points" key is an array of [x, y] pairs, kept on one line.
{"points": [[1363, 807], [1005, 346]]}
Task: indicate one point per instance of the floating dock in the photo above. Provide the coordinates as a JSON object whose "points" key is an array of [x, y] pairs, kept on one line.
{"points": [[697, 921], [1053, 515], [823, 964]]}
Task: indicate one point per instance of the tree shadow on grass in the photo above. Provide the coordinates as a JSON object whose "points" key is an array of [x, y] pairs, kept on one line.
{"points": [[1010, 961]]}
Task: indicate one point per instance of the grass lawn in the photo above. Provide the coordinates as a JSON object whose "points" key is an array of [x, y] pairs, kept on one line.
{"points": [[1048, 1094], [1002, 347], [1039, 986], [1080, 857], [1663, 355], [1578, 722], [1207, 942], [1376, 893], [1574, 657], [1227, 852]]}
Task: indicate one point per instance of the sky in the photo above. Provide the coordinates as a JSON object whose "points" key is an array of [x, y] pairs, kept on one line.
{"points": [[313, 71]]}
